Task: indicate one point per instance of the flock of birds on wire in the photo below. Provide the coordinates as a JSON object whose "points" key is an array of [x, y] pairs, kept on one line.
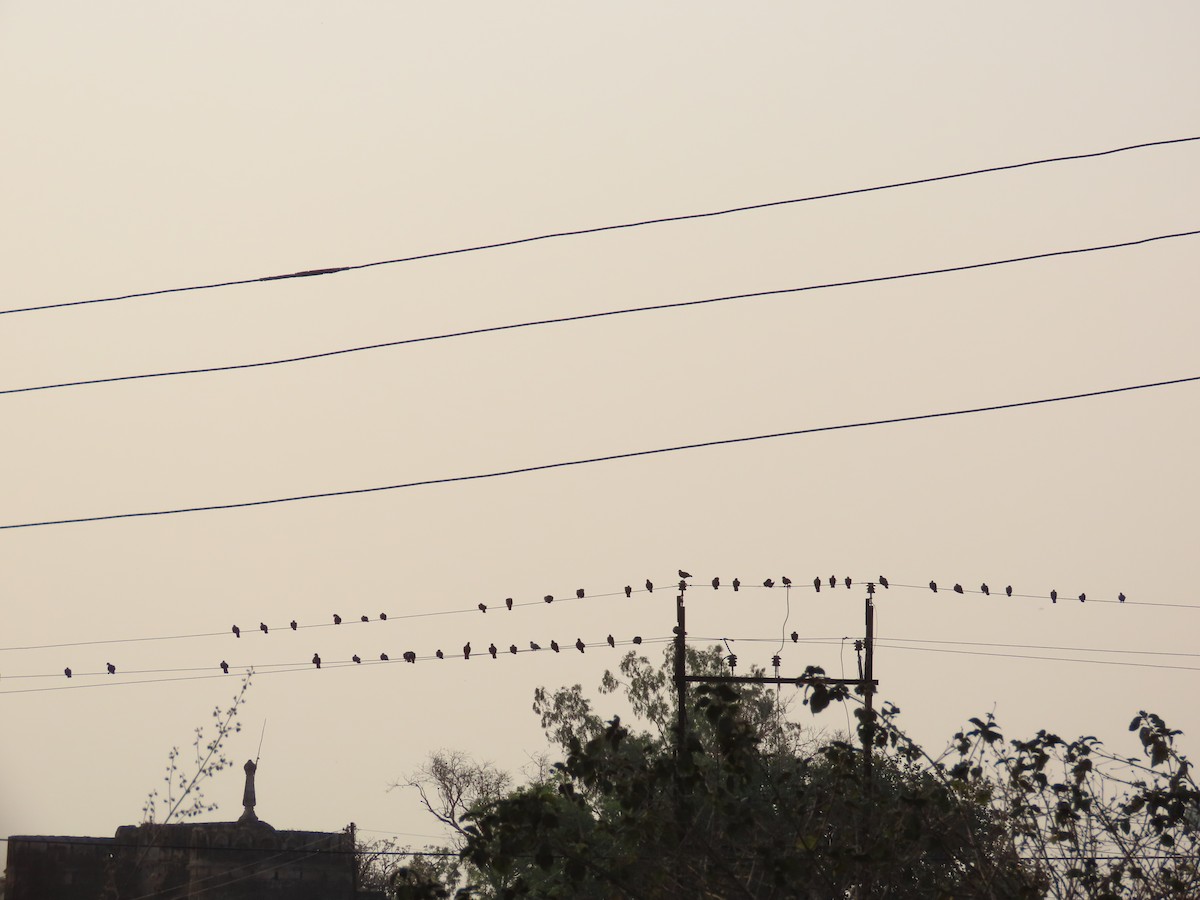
{"points": [[410, 656]]}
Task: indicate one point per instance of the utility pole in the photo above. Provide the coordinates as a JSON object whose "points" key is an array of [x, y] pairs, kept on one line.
{"points": [[868, 687], [680, 671]]}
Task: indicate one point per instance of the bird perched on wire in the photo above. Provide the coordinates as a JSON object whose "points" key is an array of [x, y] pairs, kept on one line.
{"points": [[67, 671], [549, 598], [833, 581], [439, 654], [737, 583], [316, 661], [337, 620], [383, 657], [293, 624], [612, 641], [1121, 598], [225, 667], [383, 617], [683, 574], [1054, 596], [795, 637], [554, 646], [769, 583], [483, 607], [467, 650], [628, 590], [817, 584], [492, 650], [884, 582], [933, 586], [533, 646], [512, 648], [958, 588], [112, 670], [637, 639], [364, 619], [579, 644], [848, 582], [649, 585], [579, 593], [1082, 598], [1008, 591], [787, 582], [262, 626], [237, 632], [356, 658], [508, 602], [716, 583], [983, 587], [410, 657]]}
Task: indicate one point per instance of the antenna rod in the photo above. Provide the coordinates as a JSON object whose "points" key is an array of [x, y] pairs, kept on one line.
{"points": [[260, 742]]}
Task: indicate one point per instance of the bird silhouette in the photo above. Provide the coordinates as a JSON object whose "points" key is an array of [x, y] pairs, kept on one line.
{"points": [[112, 670], [293, 624], [410, 657], [833, 581], [795, 637], [383, 617], [933, 586], [1082, 598], [737, 583], [364, 619], [549, 598], [225, 667], [237, 632], [383, 657], [579, 593], [716, 583], [787, 582], [439, 654], [316, 661], [683, 574], [67, 672], [554, 646], [512, 648], [847, 582], [579, 644], [1120, 598], [958, 588], [262, 627], [1054, 596], [492, 650], [508, 602], [337, 620], [611, 641], [817, 584], [769, 583], [884, 582], [628, 590], [1008, 591], [983, 587], [533, 646], [483, 607], [637, 639], [649, 585], [356, 658], [467, 650]]}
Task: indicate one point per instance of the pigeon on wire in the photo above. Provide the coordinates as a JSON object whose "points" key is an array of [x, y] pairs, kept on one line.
{"points": [[1082, 598], [787, 582], [356, 658], [716, 583], [439, 654], [795, 637], [483, 607], [683, 574], [512, 648], [67, 671], [409, 656], [628, 590], [262, 626], [736, 584], [847, 582], [817, 584], [637, 639], [112, 670], [508, 602], [1121, 598], [579, 593], [549, 598], [224, 667], [612, 641], [649, 586], [364, 619], [237, 632], [383, 657], [884, 582], [983, 587], [492, 650], [933, 586], [554, 646], [534, 646], [1008, 591], [833, 581], [1054, 596], [293, 624], [769, 583], [467, 650], [316, 661], [337, 620], [383, 617], [579, 644], [958, 588]]}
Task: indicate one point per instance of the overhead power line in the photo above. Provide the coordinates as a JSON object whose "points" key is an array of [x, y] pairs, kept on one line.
{"points": [[559, 320], [330, 270], [607, 458]]}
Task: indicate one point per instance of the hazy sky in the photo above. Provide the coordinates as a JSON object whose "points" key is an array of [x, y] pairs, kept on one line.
{"points": [[151, 145]]}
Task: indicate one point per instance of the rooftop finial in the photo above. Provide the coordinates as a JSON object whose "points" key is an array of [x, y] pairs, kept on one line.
{"points": [[248, 794]]}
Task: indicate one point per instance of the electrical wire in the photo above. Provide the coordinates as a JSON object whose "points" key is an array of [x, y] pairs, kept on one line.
{"points": [[882, 643], [308, 273], [558, 320], [598, 459]]}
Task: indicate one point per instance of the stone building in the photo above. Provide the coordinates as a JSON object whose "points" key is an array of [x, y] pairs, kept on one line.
{"points": [[243, 860]]}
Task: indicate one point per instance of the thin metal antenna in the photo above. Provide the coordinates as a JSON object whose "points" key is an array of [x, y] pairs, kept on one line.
{"points": [[260, 742]]}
